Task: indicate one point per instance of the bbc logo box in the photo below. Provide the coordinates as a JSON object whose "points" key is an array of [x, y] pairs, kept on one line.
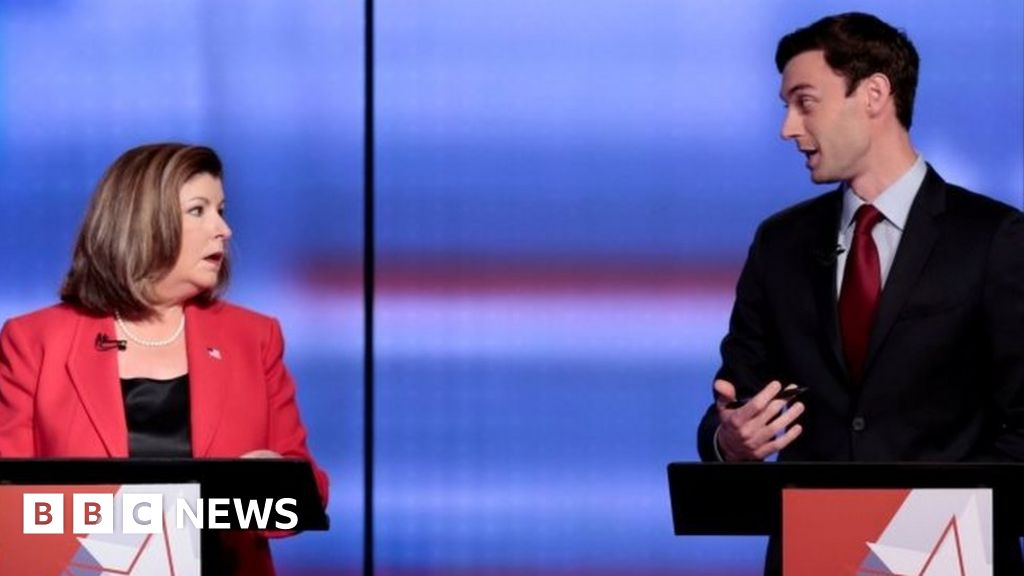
{"points": [[81, 530], [91, 513]]}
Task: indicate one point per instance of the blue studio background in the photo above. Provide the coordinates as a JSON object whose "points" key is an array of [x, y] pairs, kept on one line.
{"points": [[565, 194]]}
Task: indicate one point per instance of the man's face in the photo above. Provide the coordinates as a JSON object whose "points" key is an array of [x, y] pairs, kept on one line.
{"points": [[828, 127]]}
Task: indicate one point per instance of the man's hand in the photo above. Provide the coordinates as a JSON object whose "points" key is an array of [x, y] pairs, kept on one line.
{"points": [[751, 432]]}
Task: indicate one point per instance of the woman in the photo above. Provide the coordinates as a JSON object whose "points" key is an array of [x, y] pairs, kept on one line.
{"points": [[142, 358]]}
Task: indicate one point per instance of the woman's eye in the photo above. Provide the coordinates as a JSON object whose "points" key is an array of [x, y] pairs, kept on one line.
{"points": [[196, 211]]}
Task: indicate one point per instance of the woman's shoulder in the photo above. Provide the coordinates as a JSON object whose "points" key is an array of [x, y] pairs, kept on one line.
{"points": [[243, 326], [234, 314], [56, 314], [58, 322]]}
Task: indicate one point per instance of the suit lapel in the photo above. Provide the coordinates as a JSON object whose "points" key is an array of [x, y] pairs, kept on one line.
{"points": [[94, 375], [208, 373], [915, 246], [823, 276]]}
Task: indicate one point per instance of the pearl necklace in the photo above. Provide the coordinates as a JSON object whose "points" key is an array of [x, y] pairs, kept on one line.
{"points": [[150, 343]]}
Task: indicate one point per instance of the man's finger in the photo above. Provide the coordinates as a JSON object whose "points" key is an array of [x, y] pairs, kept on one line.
{"points": [[779, 443], [767, 433], [786, 418], [760, 401], [772, 411], [725, 392]]}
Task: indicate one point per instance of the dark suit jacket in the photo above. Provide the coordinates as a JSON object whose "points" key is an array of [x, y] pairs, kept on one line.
{"points": [[60, 396], [944, 378]]}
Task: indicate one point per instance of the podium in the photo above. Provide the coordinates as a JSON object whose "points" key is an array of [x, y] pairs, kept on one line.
{"points": [[41, 513], [746, 498]]}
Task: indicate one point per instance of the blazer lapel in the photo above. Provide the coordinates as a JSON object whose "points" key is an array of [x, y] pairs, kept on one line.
{"points": [[94, 375], [208, 373], [823, 277], [915, 246]]}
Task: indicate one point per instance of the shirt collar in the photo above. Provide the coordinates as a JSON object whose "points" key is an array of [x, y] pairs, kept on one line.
{"points": [[894, 202]]}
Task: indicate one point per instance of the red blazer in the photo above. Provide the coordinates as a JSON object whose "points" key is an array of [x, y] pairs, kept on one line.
{"points": [[60, 396]]}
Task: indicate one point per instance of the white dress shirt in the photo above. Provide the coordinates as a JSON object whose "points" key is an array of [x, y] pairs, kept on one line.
{"points": [[894, 203]]}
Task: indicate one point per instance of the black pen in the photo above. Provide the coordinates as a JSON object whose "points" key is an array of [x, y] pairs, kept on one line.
{"points": [[787, 394]]}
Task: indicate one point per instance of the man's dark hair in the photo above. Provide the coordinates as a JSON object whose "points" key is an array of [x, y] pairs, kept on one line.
{"points": [[857, 45]]}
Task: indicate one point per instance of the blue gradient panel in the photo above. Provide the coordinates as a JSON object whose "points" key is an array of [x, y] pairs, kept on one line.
{"points": [[277, 88], [566, 192]]}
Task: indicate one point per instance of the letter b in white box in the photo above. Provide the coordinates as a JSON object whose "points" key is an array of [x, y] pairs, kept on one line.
{"points": [[42, 513], [93, 514], [142, 513]]}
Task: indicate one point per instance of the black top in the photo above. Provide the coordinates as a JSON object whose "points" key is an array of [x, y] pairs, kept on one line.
{"points": [[159, 426], [157, 414]]}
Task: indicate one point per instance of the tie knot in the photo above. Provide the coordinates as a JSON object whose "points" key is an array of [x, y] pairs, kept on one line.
{"points": [[866, 217]]}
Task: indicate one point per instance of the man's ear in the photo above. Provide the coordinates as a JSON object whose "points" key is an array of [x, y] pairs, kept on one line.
{"points": [[878, 93]]}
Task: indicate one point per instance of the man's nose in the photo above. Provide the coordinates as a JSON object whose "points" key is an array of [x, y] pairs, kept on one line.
{"points": [[791, 125]]}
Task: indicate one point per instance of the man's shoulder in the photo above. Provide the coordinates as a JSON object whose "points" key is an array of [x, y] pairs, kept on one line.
{"points": [[966, 204], [804, 217], [826, 203]]}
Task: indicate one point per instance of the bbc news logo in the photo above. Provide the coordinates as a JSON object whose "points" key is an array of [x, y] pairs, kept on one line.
{"points": [[143, 513]]}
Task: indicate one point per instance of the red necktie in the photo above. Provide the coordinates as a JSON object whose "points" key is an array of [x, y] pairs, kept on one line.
{"points": [[862, 286]]}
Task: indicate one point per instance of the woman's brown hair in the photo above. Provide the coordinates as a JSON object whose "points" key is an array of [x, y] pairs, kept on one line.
{"points": [[131, 235]]}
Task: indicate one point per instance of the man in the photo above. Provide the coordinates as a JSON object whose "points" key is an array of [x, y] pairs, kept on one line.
{"points": [[896, 300]]}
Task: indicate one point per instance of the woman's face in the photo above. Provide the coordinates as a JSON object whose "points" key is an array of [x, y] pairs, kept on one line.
{"points": [[204, 237]]}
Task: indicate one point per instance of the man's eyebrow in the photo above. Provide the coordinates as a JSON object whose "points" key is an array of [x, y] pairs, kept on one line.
{"points": [[797, 88]]}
